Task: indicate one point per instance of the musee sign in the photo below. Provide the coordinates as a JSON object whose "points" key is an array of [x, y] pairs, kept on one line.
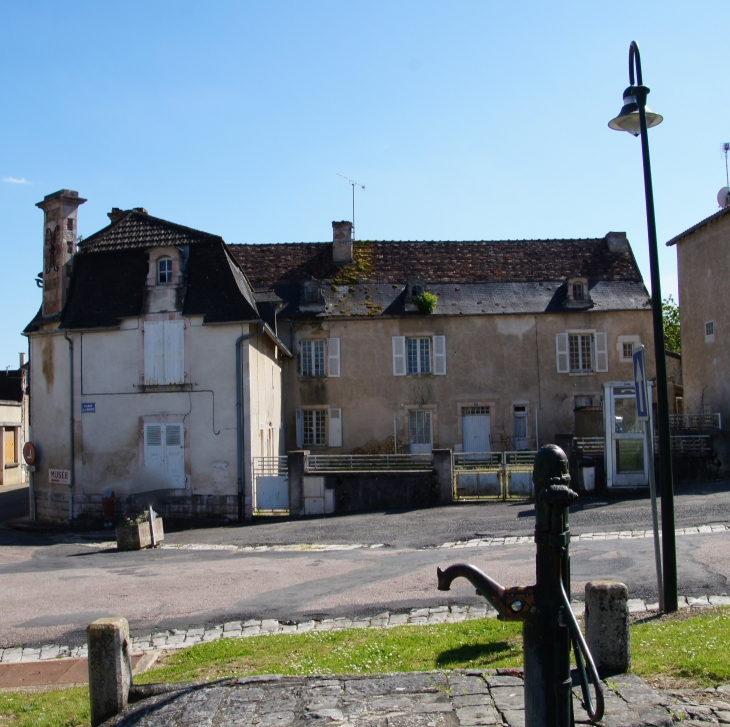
{"points": [[59, 477]]}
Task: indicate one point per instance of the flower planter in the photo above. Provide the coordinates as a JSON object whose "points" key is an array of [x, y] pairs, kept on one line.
{"points": [[136, 537]]}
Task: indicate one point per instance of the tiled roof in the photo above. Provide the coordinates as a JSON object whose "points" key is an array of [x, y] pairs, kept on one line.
{"points": [[699, 225], [138, 230], [457, 262]]}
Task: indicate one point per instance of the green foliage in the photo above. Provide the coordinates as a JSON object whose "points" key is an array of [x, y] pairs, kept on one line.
{"points": [[426, 302], [670, 316]]}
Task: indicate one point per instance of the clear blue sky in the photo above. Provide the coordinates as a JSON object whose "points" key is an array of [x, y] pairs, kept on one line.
{"points": [[465, 120]]}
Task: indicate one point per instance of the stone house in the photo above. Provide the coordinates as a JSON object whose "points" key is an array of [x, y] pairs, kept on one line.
{"points": [[154, 369], [524, 334], [13, 423], [703, 266]]}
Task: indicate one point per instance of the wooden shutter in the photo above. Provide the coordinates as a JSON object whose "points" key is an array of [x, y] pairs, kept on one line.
{"points": [[174, 455], [10, 435], [561, 351], [174, 334], [335, 438], [399, 355], [300, 429], [333, 357], [439, 355], [153, 449], [154, 356], [601, 351]]}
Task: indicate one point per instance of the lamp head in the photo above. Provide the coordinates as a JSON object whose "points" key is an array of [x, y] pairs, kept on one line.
{"points": [[628, 117]]}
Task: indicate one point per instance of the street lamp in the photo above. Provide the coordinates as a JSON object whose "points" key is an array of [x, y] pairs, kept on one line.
{"points": [[635, 118]]}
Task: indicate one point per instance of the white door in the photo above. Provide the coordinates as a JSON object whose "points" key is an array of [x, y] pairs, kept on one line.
{"points": [[520, 428], [420, 432], [164, 455], [475, 429]]}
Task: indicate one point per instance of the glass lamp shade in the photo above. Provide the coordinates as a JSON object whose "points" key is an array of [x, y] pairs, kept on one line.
{"points": [[628, 117]]}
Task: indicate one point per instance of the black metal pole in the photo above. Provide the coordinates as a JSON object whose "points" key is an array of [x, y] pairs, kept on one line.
{"points": [[669, 549]]}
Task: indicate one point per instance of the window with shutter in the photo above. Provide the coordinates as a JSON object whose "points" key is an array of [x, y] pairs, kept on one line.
{"points": [[561, 352], [333, 357], [439, 355], [335, 439], [311, 358], [399, 355], [164, 353]]}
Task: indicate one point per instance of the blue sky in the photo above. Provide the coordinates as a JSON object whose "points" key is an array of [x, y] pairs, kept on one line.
{"points": [[464, 120]]}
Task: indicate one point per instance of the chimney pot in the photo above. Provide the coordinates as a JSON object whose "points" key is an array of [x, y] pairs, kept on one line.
{"points": [[342, 242]]}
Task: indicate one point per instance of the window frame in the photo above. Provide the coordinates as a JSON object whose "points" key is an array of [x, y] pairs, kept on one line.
{"points": [[164, 277], [579, 339], [311, 358], [564, 352], [422, 359], [317, 429]]}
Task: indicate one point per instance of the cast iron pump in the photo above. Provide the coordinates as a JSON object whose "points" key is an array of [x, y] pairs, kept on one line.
{"points": [[549, 626]]}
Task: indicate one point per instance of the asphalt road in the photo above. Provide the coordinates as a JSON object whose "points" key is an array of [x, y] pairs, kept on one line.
{"points": [[55, 585]]}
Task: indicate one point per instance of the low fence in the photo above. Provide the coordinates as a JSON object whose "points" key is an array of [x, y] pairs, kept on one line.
{"points": [[493, 475], [368, 462], [698, 422], [271, 486]]}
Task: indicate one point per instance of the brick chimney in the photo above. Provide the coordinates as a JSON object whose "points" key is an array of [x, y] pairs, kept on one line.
{"points": [[618, 244], [60, 231], [117, 214], [342, 242]]}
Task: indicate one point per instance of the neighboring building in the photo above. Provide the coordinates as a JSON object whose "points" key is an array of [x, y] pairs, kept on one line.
{"points": [[523, 335], [703, 265], [13, 423], [154, 370]]}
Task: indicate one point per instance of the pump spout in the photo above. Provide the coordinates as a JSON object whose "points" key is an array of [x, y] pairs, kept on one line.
{"points": [[512, 604]]}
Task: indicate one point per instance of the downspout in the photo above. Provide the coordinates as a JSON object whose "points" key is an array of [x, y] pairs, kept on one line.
{"points": [[239, 415], [71, 428]]}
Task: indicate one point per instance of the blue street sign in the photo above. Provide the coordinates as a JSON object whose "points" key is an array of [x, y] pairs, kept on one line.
{"points": [[88, 407], [642, 398]]}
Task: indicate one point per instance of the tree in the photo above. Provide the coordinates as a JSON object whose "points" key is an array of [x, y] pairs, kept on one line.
{"points": [[670, 316]]}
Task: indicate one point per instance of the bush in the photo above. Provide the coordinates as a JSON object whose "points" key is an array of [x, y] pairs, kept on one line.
{"points": [[426, 303]]}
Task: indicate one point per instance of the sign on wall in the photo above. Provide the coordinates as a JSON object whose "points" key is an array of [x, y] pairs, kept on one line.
{"points": [[59, 477], [88, 407]]}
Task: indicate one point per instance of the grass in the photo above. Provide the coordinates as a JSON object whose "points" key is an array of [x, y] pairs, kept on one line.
{"points": [[687, 649]]}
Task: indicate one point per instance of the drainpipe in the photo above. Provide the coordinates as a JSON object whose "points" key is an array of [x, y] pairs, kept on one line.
{"points": [[239, 415], [71, 428]]}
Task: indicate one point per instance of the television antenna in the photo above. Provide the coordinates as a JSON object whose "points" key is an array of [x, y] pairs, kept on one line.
{"points": [[725, 151], [354, 184], [723, 196]]}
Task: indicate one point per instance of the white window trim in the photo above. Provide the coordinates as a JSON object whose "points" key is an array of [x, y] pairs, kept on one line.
{"points": [[437, 355], [636, 340], [599, 352], [300, 364], [332, 438]]}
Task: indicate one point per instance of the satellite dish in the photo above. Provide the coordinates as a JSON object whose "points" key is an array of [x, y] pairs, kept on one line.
{"points": [[723, 197]]}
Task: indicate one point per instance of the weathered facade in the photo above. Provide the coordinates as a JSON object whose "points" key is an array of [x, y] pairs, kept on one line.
{"points": [[13, 423], [154, 372], [523, 334]]}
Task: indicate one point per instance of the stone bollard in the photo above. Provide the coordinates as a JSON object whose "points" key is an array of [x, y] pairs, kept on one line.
{"points": [[110, 667], [607, 626]]}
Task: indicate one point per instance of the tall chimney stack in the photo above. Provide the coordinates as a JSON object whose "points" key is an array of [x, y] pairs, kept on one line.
{"points": [[342, 242], [60, 230]]}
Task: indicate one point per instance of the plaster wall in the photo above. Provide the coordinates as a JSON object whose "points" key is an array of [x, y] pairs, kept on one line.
{"points": [[497, 361], [703, 262]]}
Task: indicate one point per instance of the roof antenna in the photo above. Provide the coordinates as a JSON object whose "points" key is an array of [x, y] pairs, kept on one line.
{"points": [[723, 196], [354, 184]]}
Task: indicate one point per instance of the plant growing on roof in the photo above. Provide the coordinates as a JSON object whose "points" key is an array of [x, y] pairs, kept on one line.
{"points": [[426, 302]]}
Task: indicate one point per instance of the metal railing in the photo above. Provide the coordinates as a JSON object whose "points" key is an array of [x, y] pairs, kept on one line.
{"points": [[696, 444], [478, 461], [271, 466], [695, 421], [368, 462], [493, 475], [590, 446]]}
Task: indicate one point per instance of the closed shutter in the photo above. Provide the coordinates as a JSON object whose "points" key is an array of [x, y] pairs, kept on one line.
{"points": [[399, 355], [601, 351], [174, 332], [300, 429], [154, 355], [333, 357], [10, 437], [335, 438], [174, 455], [561, 351], [153, 449], [439, 355]]}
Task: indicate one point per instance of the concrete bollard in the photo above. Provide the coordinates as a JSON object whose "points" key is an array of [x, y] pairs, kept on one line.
{"points": [[110, 667], [607, 626]]}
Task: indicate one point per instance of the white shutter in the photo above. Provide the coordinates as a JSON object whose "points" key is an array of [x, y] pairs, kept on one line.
{"points": [[174, 332], [333, 357], [561, 351], [439, 355], [335, 438], [153, 450], [399, 355], [154, 357], [601, 351], [300, 429], [174, 455]]}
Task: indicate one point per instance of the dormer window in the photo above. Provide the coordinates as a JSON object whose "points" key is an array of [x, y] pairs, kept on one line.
{"points": [[416, 289], [164, 270], [577, 291], [311, 293]]}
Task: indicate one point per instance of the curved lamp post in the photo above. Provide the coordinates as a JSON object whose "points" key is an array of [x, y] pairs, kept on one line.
{"points": [[635, 117]]}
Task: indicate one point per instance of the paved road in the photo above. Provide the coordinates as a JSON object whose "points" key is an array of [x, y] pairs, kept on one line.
{"points": [[53, 586], [13, 501]]}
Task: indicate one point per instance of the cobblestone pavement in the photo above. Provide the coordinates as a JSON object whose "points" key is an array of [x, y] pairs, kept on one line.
{"points": [[421, 699], [184, 638]]}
